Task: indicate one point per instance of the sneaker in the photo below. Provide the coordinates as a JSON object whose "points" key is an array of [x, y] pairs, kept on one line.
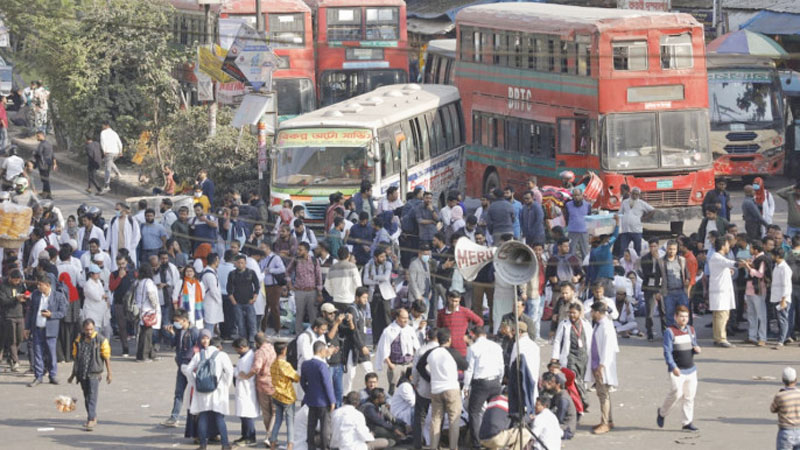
{"points": [[659, 418], [35, 382], [126, 355], [170, 423], [690, 427], [761, 344], [778, 346], [90, 425], [15, 367], [54, 381], [238, 442]]}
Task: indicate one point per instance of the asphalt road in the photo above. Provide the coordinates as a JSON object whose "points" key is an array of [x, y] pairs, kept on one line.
{"points": [[731, 409]]}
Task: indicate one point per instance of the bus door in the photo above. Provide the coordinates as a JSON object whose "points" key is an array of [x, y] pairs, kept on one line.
{"points": [[401, 144], [575, 143]]}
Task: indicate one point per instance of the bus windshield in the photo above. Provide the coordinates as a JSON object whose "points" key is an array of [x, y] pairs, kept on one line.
{"points": [[333, 157], [342, 85], [750, 103], [669, 139]]}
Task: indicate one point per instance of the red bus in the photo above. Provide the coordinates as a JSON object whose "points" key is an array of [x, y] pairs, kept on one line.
{"points": [[361, 45], [290, 34], [617, 92]]}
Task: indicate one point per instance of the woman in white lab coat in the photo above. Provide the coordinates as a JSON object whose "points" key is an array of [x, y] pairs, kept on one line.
{"points": [[210, 406], [247, 407]]}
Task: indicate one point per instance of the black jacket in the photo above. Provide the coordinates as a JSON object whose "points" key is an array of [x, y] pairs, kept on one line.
{"points": [[94, 155], [10, 307], [354, 339], [243, 285]]}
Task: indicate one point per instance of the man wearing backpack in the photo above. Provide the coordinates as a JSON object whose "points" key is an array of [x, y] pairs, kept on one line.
{"points": [[212, 373], [186, 341], [91, 352]]}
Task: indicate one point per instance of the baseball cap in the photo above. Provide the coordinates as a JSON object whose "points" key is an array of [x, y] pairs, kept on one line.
{"points": [[328, 308], [94, 268], [44, 255]]}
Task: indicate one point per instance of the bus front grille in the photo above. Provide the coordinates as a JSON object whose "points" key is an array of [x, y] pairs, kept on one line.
{"points": [[662, 199], [741, 148], [316, 211], [741, 136]]}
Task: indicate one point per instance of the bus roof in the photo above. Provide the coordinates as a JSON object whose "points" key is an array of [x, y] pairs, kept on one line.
{"points": [[267, 6], [314, 4], [442, 46], [385, 105], [729, 61], [564, 20]]}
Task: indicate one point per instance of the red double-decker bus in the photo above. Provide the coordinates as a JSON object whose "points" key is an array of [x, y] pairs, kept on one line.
{"points": [[621, 93], [361, 45], [291, 35]]}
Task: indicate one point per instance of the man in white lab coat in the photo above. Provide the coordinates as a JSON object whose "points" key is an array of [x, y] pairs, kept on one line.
{"points": [[722, 298], [603, 364], [123, 232], [212, 298]]}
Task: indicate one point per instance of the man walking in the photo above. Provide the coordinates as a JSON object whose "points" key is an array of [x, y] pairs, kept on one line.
{"points": [[675, 284], [482, 378], [262, 363], [720, 290], [45, 162], [680, 346], [186, 338], [603, 364], [112, 149], [315, 379], [91, 352], [786, 405], [48, 307], [94, 160], [575, 212]]}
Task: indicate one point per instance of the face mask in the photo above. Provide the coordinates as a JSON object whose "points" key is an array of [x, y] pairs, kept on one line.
{"points": [[117, 213], [177, 325], [756, 187], [425, 258]]}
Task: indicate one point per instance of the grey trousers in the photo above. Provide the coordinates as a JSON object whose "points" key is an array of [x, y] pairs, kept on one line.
{"points": [[305, 302]]}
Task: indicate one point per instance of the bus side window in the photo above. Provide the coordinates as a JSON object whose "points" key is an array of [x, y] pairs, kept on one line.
{"points": [[512, 135], [500, 129], [438, 131], [422, 130], [566, 136], [476, 128], [455, 124], [411, 156], [462, 136], [387, 159]]}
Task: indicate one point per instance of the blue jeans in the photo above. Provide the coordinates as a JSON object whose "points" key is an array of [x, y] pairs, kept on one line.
{"points": [[783, 322], [246, 320], [281, 410], [625, 239], [44, 354], [534, 309], [202, 427], [180, 388], [337, 372], [162, 335], [248, 428], [788, 439], [671, 302]]}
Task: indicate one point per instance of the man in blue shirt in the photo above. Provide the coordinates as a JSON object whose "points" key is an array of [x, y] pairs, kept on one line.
{"points": [[508, 194], [575, 212], [154, 236], [601, 260], [361, 236], [315, 379], [680, 346], [426, 217], [48, 306]]}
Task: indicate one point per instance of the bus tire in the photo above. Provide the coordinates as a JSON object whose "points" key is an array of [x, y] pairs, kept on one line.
{"points": [[491, 181]]}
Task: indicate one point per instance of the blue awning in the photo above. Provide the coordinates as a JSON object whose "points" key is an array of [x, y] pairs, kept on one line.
{"points": [[772, 23]]}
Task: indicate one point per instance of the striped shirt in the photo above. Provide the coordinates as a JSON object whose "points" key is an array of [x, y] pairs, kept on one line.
{"points": [[787, 404]]}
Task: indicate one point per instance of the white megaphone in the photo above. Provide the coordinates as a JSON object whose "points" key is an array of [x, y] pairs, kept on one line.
{"points": [[513, 261]]}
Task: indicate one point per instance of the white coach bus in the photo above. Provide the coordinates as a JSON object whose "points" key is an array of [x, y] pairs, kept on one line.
{"points": [[403, 135]]}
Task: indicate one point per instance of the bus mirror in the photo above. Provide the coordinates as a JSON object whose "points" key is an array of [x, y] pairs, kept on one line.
{"points": [[371, 154]]}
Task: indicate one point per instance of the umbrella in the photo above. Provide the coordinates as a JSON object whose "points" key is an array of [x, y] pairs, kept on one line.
{"points": [[745, 42]]}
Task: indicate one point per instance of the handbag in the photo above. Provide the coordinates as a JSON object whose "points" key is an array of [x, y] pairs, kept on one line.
{"points": [[150, 318]]}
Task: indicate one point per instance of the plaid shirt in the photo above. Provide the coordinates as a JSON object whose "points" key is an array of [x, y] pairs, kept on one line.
{"points": [[306, 273], [458, 323]]}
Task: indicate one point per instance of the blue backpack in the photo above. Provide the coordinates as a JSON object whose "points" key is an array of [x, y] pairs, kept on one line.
{"points": [[206, 379]]}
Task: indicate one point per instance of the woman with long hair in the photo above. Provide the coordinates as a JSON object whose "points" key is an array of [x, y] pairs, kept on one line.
{"points": [[146, 297], [191, 297]]}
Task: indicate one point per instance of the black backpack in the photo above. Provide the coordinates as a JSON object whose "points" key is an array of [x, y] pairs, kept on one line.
{"points": [[291, 351]]}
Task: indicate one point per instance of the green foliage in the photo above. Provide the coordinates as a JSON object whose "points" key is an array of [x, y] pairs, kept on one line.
{"points": [[186, 145], [102, 60]]}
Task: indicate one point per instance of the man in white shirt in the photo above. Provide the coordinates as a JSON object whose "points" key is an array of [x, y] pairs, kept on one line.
{"points": [[482, 378], [305, 342], [545, 425], [350, 428], [781, 294], [721, 296], [599, 295], [168, 216], [12, 167], [530, 350], [633, 210], [112, 148], [391, 202], [440, 366]]}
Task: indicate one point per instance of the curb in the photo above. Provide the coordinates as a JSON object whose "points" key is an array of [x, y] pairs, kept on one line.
{"points": [[77, 171]]}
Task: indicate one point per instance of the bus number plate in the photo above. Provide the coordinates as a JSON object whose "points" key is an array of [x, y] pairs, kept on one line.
{"points": [[664, 184]]}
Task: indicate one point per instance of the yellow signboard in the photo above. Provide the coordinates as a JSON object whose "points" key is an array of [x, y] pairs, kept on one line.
{"points": [[324, 137], [210, 63]]}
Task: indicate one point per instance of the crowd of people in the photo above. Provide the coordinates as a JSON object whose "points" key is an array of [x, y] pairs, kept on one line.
{"points": [[378, 291]]}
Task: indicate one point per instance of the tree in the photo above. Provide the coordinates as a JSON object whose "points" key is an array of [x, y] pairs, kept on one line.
{"points": [[102, 60], [230, 157]]}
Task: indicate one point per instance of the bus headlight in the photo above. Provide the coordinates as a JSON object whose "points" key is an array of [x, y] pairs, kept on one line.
{"points": [[613, 200], [698, 195], [772, 151]]}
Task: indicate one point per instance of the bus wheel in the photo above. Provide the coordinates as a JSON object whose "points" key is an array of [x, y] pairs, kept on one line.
{"points": [[491, 182]]}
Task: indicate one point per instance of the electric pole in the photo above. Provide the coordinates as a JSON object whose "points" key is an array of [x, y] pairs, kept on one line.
{"points": [[210, 40]]}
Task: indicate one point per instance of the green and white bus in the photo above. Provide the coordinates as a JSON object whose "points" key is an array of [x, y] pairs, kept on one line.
{"points": [[403, 135]]}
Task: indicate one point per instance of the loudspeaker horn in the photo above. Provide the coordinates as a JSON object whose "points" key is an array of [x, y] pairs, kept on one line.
{"points": [[514, 263]]}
